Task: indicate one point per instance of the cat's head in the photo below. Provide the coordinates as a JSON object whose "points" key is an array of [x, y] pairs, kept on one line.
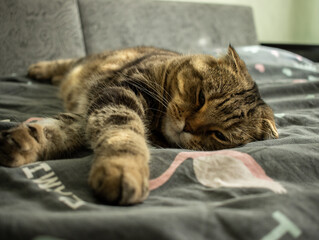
{"points": [[214, 104]]}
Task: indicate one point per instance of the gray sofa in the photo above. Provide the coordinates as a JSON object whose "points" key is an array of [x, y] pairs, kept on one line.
{"points": [[274, 193], [33, 30]]}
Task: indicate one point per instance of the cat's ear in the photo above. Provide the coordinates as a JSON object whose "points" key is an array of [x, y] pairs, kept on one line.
{"points": [[235, 61], [269, 127]]}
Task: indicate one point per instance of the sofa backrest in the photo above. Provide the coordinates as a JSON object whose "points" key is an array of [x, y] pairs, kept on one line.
{"points": [[33, 30], [180, 26]]}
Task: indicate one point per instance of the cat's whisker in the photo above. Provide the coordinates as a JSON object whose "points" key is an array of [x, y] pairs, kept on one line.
{"points": [[160, 98], [156, 110], [159, 87], [156, 88], [164, 91], [163, 101]]}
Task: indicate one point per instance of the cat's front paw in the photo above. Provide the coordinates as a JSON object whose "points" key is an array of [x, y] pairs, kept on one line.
{"points": [[40, 70], [18, 146], [119, 180]]}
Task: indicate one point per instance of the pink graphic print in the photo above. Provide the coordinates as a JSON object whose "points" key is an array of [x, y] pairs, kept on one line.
{"points": [[226, 168], [299, 80], [260, 67], [33, 119]]}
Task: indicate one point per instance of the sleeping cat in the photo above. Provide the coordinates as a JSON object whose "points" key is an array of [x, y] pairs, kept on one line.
{"points": [[119, 102]]}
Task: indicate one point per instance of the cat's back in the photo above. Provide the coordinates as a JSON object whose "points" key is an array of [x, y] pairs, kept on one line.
{"points": [[98, 67], [114, 60], [108, 62]]}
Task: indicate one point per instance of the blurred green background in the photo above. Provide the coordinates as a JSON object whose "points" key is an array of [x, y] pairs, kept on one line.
{"points": [[281, 21]]}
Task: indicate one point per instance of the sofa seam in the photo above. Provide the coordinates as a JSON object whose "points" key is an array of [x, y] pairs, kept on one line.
{"points": [[81, 26]]}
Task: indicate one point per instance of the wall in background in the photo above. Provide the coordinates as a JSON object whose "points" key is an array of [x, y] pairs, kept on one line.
{"points": [[281, 21]]}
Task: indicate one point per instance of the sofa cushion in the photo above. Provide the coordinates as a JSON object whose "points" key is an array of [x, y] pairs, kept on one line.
{"points": [[185, 27], [33, 30]]}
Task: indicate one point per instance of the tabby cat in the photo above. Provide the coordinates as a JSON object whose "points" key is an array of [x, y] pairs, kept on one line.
{"points": [[119, 101]]}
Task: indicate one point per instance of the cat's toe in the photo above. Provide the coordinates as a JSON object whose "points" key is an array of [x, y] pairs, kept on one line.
{"points": [[134, 187], [17, 147], [120, 184], [39, 70]]}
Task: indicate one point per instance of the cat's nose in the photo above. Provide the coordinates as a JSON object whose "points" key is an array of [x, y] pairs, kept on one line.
{"points": [[188, 128]]}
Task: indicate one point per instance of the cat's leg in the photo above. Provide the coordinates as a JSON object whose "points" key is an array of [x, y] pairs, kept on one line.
{"points": [[51, 70], [119, 172], [41, 140]]}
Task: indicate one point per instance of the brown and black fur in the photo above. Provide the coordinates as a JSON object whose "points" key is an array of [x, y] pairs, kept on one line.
{"points": [[120, 101]]}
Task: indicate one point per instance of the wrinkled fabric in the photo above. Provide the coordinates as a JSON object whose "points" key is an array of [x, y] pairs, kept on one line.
{"points": [[263, 190]]}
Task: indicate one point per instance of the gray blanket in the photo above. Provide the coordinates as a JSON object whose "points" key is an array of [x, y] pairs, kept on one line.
{"points": [[263, 190]]}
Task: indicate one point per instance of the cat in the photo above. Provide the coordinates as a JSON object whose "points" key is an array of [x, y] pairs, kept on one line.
{"points": [[119, 102]]}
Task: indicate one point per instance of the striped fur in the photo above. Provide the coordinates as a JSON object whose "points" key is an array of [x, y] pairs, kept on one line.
{"points": [[120, 101]]}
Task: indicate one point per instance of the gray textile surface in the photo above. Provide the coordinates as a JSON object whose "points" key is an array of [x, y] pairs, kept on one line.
{"points": [[184, 27], [52, 198], [34, 30]]}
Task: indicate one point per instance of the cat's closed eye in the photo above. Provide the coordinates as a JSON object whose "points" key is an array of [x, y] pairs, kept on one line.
{"points": [[218, 135], [201, 98]]}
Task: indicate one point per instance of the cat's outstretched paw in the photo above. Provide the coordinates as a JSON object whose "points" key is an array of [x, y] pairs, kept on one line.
{"points": [[119, 182], [19, 146], [40, 70]]}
